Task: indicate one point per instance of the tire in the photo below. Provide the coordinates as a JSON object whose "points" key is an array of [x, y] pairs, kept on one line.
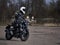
{"points": [[24, 36], [8, 36]]}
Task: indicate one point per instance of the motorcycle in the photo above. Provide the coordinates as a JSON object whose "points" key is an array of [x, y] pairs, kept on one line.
{"points": [[17, 31]]}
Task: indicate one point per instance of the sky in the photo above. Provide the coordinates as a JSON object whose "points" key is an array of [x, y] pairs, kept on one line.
{"points": [[47, 1], [16, 1]]}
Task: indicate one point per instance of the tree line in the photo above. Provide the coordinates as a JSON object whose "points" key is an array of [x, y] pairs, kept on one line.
{"points": [[42, 10], [37, 8]]}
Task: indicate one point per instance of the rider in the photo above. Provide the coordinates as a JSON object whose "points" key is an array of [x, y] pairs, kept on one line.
{"points": [[19, 17]]}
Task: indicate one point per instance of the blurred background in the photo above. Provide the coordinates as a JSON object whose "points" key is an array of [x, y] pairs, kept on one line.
{"points": [[43, 12]]}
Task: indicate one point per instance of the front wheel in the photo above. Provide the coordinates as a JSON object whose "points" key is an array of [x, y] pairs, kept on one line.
{"points": [[8, 36], [25, 36]]}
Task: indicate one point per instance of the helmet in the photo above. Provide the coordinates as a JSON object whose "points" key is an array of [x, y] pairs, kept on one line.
{"points": [[22, 9]]}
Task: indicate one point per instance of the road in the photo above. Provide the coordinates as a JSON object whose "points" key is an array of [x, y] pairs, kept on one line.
{"points": [[39, 35]]}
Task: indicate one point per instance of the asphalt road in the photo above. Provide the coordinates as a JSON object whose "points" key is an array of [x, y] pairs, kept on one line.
{"points": [[38, 36]]}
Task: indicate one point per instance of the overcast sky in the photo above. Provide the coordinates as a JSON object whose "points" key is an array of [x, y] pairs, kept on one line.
{"points": [[47, 1], [16, 1]]}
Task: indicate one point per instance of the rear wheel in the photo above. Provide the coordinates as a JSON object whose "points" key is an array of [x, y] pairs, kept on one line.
{"points": [[8, 36]]}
